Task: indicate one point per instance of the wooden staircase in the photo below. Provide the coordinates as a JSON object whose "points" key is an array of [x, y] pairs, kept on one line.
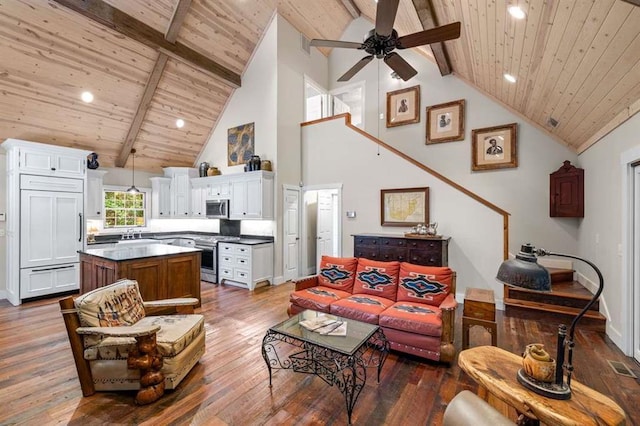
{"points": [[562, 304]]}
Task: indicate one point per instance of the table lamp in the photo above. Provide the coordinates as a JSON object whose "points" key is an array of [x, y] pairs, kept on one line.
{"points": [[525, 272]]}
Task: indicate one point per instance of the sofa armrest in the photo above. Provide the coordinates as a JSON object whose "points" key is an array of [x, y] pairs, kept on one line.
{"points": [[449, 303], [306, 282], [122, 331]]}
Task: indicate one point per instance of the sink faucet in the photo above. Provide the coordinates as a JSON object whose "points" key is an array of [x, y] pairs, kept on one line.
{"points": [[139, 234]]}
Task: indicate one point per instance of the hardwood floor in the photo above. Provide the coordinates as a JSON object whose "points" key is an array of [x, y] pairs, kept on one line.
{"points": [[39, 386]]}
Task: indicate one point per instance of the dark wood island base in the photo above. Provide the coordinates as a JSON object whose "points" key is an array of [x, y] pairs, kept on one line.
{"points": [[162, 271]]}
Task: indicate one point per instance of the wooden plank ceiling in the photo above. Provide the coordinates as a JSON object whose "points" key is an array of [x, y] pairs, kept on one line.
{"points": [[576, 61]]}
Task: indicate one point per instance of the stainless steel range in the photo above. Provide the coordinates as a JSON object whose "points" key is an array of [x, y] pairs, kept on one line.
{"points": [[209, 263]]}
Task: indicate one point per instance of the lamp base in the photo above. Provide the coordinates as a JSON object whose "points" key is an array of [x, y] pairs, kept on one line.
{"points": [[549, 390]]}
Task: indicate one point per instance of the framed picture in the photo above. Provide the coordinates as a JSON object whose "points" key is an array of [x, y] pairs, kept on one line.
{"points": [[445, 122], [403, 106], [404, 207], [494, 147], [240, 144]]}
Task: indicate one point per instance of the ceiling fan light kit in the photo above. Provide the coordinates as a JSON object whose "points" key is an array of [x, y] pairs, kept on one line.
{"points": [[381, 41]]}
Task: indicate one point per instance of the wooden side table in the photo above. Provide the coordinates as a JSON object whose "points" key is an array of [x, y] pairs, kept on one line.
{"points": [[479, 309], [495, 370]]}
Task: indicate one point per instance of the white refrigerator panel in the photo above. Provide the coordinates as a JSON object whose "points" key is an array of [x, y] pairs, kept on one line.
{"points": [[42, 281], [50, 228]]}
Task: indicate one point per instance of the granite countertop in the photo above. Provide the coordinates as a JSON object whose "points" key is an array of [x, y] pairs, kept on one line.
{"points": [[114, 238], [249, 241], [119, 254]]}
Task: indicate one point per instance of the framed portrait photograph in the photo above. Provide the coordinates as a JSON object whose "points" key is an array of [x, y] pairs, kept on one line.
{"points": [[403, 106], [445, 122], [404, 207], [494, 147]]}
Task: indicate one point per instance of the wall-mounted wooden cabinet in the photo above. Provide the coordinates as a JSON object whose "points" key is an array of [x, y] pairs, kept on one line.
{"points": [[566, 191]]}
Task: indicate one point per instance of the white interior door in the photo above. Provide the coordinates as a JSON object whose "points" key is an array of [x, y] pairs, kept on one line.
{"points": [[636, 264], [326, 226], [291, 226]]}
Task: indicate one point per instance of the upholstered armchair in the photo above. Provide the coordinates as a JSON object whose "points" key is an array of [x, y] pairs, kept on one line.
{"points": [[117, 345]]}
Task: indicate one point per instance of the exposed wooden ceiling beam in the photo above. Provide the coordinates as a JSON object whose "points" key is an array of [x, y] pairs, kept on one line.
{"points": [[351, 8], [107, 15], [634, 2], [427, 17], [141, 112], [179, 13]]}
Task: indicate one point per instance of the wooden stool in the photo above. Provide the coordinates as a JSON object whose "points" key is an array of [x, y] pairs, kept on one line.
{"points": [[479, 309]]}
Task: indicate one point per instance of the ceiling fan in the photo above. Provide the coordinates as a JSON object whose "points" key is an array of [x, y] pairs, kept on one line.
{"points": [[383, 39]]}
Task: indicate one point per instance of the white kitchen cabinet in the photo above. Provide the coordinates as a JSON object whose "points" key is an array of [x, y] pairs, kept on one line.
{"points": [[160, 197], [46, 187], [219, 188], [252, 195], [95, 193], [245, 265], [180, 189], [198, 197], [51, 162]]}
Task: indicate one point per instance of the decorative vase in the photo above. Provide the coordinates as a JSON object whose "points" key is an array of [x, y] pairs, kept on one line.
{"points": [[213, 171], [266, 165], [204, 167], [92, 161], [254, 163], [537, 363]]}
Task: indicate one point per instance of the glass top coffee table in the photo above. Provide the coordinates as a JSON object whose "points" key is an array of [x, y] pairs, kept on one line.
{"points": [[338, 350]]}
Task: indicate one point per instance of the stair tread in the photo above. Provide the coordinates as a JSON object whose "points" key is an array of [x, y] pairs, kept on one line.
{"points": [[569, 289], [552, 308], [559, 270]]}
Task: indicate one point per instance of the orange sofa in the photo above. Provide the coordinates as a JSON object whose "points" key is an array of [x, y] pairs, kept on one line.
{"points": [[414, 305]]}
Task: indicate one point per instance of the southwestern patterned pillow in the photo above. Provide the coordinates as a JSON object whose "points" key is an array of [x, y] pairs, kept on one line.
{"points": [[424, 284], [337, 272], [377, 278]]}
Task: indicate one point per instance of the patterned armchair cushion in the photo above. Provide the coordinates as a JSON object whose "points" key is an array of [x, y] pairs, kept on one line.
{"points": [[413, 317], [361, 307], [115, 305], [337, 272], [377, 278], [176, 333], [317, 298], [424, 284]]}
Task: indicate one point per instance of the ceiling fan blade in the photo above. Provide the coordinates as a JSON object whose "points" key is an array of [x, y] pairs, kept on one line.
{"points": [[400, 66], [385, 16], [433, 35], [335, 43], [357, 67]]}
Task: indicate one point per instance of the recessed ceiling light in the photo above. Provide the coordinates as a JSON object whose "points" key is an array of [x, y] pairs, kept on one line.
{"points": [[87, 97], [179, 123], [510, 78], [517, 12]]}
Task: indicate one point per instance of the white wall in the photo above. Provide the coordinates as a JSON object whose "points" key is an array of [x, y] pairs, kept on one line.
{"points": [[333, 153], [522, 191], [3, 225], [600, 235]]}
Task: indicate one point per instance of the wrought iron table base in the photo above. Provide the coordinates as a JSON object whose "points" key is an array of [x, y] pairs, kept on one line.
{"points": [[347, 372]]}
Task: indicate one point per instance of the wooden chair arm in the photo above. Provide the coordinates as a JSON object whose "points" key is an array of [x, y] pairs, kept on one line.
{"points": [[306, 282], [180, 301], [447, 348], [449, 303], [122, 331]]}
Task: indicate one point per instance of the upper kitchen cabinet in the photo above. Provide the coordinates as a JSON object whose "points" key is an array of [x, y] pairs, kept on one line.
{"points": [[48, 160], [198, 196], [252, 195], [95, 196], [180, 189], [160, 197]]}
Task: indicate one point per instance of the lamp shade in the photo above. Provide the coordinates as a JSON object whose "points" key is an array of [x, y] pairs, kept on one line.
{"points": [[524, 271]]}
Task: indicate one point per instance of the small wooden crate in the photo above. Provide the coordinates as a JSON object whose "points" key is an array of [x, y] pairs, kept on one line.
{"points": [[479, 309]]}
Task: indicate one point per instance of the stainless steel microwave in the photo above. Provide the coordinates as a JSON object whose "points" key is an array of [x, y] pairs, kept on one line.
{"points": [[218, 209]]}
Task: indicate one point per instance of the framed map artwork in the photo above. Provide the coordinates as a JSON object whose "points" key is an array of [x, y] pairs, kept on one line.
{"points": [[240, 144], [404, 207]]}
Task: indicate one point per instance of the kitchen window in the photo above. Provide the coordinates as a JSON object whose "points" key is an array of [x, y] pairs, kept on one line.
{"points": [[123, 209]]}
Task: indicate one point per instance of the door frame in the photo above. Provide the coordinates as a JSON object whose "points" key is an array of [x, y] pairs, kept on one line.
{"points": [[628, 160], [304, 221], [286, 187]]}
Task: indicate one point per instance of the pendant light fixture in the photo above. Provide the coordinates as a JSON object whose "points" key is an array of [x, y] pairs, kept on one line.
{"points": [[133, 189]]}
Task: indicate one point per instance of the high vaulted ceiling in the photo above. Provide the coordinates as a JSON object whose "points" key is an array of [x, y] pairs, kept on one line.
{"points": [[149, 62]]}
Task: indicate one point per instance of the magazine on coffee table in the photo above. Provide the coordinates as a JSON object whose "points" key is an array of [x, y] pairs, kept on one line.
{"points": [[324, 325]]}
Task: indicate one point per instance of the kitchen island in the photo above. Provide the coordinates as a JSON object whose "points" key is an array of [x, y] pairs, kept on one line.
{"points": [[162, 271]]}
